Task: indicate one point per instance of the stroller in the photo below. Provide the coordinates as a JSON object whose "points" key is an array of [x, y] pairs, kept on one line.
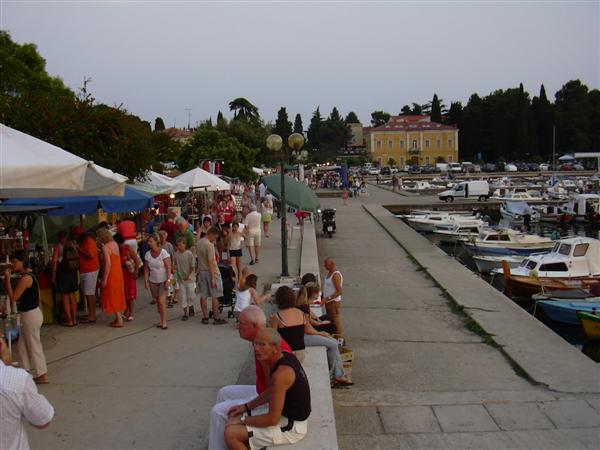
{"points": [[228, 298]]}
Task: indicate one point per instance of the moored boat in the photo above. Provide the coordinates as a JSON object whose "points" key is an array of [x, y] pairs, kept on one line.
{"points": [[515, 212], [566, 312], [489, 263], [572, 263], [505, 241], [590, 324]]}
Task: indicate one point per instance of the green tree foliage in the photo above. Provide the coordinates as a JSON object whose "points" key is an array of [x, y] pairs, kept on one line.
{"points": [[405, 111], [298, 127], [573, 121], [335, 134], [417, 109], [159, 124], [37, 104], [454, 116], [245, 111], [283, 127], [379, 118], [543, 115], [436, 110], [352, 117], [314, 130], [214, 144], [594, 115]]}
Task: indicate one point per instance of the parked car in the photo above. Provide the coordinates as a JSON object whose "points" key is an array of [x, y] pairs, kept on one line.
{"points": [[522, 167], [488, 167], [374, 171], [510, 167], [567, 167], [454, 167], [578, 166], [534, 167], [544, 167], [414, 169], [465, 189], [386, 171], [428, 169]]}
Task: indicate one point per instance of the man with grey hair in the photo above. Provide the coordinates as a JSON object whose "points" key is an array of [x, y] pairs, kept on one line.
{"points": [[251, 321], [183, 231], [286, 419], [252, 223]]}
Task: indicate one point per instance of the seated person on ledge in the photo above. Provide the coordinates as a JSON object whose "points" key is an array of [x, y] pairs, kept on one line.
{"points": [[286, 421]]}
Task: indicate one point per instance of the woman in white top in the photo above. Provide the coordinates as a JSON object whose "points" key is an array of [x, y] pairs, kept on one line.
{"points": [[157, 274], [247, 295]]}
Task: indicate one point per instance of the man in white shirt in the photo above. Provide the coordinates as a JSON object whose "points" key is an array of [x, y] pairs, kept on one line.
{"points": [[252, 222], [19, 398], [262, 190]]}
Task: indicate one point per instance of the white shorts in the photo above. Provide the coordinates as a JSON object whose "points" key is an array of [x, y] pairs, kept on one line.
{"points": [[88, 282], [254, 238], [272, 436], [187, 293]]}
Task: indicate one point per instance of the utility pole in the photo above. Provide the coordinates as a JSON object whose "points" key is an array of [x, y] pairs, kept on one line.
{"points": [[189, 113]]}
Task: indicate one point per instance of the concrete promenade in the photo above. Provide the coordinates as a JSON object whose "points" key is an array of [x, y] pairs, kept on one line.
{"points": [[423, 379], [140, 387]]}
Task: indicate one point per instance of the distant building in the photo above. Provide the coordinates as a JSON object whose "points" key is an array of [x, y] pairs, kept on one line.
{"points": [[412, 140], [179, 135], [356, 144]]}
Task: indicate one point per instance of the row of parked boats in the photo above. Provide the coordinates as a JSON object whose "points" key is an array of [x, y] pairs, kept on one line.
{"points": [[561, 275]]}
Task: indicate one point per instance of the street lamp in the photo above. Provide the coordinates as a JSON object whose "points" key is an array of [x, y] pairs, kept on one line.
{"points": [[275, 143]]}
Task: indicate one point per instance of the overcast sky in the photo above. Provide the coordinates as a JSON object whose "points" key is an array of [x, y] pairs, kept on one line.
{"points": [[159, 58]]}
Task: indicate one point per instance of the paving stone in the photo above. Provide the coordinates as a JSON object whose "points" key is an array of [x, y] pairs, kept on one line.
{"points": [[571, 414], [358, 420], [595, 402], [464, 418], [518, 416], [409, 419]]}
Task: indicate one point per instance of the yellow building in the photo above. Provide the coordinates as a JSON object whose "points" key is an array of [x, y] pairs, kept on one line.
{"points": [[412, 140]]}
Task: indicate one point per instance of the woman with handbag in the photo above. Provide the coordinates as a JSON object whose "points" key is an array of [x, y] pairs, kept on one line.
{"points": [[65, 264], [27, 294], [130, 264]]}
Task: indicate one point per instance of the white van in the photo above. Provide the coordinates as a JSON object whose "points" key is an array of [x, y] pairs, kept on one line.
{"points": [[454, 167], [467, 189]]}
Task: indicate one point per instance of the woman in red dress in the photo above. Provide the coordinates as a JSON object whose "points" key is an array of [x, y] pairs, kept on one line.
{"points": [[112, 297]]}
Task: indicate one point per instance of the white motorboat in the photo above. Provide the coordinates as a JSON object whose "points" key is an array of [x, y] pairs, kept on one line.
{"points": [[571, 263], [521, 197], [584, 207], [490, 263], [515, 212], [459, 230], [553, 213], [505, 241], [427, 223]]}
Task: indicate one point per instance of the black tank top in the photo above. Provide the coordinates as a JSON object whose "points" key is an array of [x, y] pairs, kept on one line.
{"points": [[293, 335], [30, 299], [297, 398]]}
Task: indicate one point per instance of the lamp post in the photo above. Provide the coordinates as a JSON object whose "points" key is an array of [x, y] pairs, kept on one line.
{"points": [[275, 143]]}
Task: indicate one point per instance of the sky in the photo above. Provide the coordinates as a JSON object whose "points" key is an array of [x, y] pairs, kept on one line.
{"points": [[163, 58]]}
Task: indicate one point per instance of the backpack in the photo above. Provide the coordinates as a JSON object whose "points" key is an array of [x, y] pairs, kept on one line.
{"points": [[70, 259]]}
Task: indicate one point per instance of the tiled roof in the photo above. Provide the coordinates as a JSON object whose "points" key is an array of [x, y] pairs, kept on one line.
{"points": [[412, 126]]}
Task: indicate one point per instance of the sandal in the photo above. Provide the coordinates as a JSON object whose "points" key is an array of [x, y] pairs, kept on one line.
{"points": [[205, 321], [116, 325], [130, 318], [252, 262], [341, 383], [184, 318], [170, 305], [162, 327], [219, 322]]}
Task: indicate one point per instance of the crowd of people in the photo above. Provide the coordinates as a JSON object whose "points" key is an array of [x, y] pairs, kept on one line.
{"points": [[181, 261]]}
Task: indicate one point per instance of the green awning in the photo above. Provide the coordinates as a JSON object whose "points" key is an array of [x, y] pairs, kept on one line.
{"points": [[297, 194]]}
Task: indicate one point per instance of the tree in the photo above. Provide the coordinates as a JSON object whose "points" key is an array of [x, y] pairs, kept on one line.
{"points": [[298, 127], [352, 117], [334, 135], [221, 122], [454, 116], [159, 125], [379, 118], [417, 109], [436, 111], [573, 123], [406, 111], [543, 116], [391, 162], [314, 130], [283, 127], [214, 144], [244, 110]]}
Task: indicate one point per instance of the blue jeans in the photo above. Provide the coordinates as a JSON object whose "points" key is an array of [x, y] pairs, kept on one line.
{"points": [[334, 360]]}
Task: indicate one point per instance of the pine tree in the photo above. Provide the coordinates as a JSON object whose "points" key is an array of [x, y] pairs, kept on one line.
{"points": [[436, 111], [314, 130], [352, 117], [298, 127], [221, 122], [379, 118], [406, 111], [159, 124], [283, 127]]}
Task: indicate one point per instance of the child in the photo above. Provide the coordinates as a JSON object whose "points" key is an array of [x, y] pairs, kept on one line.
{"points": [[246, 295], [185, 267], [235, 249]]}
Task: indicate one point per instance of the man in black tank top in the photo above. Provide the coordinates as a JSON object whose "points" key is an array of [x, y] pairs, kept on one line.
{"points": [[285, 422]]}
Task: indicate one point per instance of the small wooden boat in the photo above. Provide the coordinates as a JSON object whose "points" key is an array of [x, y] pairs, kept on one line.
{"points": [[572, 263], [566, 312], [590, 323]]}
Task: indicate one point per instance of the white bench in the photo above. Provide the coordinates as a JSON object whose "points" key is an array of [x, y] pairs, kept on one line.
{"points": [[322, 433]]}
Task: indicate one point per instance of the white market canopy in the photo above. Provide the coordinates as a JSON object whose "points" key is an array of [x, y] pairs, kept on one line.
{"points": [[30, 167], [156, 183], [201, 180], [258, 171]]}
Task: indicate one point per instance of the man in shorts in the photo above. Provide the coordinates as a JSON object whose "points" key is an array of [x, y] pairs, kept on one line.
{"points": [[88, 269], [253, 224], [286, 420], [209, 278]]}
